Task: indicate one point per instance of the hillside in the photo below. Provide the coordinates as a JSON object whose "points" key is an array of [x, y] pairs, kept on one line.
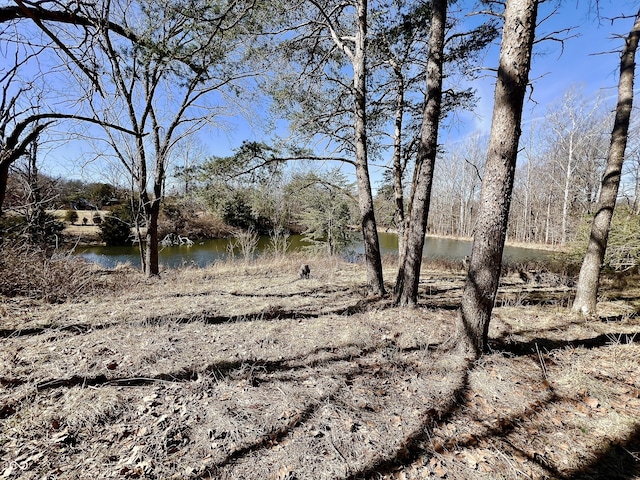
{"points": [[246, 371]]}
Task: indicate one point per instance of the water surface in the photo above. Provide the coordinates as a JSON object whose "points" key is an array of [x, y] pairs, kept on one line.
{"points": [[210, 251]]}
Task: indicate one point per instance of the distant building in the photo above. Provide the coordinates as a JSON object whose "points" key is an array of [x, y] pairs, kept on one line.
{"points": [[83, 204]]}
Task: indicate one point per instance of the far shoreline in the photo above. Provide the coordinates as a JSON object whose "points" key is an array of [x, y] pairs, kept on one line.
{"points": [[510, 243], [88, 236]]}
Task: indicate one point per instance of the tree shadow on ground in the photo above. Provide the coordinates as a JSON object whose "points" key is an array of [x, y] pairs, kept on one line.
{"points": [[420, 444], [271, 440], [619, 318], [414, 445], [619, 461], [546, 344], [270, 313], [221, 370]]}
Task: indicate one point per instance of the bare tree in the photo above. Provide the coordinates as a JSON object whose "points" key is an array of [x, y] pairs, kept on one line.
{"points": [[78, 16], [20, 126], [588, 282], [455, 188], [161, 94], [21, 122], [575, 126], [497, 183]]}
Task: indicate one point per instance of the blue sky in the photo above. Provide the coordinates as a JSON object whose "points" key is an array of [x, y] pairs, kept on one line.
{"points": [[589, 58]]}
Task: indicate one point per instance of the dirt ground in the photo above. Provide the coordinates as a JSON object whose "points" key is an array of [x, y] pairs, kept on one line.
{"points": [[247, 372]]}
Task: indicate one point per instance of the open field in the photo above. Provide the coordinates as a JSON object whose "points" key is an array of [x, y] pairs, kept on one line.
{"points": [[246, 372], [78, 231]]}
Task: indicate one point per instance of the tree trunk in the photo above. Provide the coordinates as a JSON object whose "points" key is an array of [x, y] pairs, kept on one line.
{"points": [[527, 237], [151, 263], [398, 167], [567, 187], [588, 282], [409, 272], [373, 259], [636, 195], [4, 178], [497, 184]]}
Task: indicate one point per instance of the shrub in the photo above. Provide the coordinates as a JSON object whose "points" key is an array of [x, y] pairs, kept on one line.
{"points": [[40, 228], [115, 231], [97, 219], [45, 230], [623, 245], [279, 241], [12, 226], [237, 212], [29, 271], [246, 242], [206, 226], [71, 216]]}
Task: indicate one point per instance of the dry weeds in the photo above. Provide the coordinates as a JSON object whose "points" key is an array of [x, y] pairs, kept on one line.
{"points": [[246, 371]]}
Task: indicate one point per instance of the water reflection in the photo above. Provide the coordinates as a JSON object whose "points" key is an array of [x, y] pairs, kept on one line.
{"points": [[211, 251]]}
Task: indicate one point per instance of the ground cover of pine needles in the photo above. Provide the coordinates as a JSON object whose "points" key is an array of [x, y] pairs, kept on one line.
{"points": [[245, 371]]}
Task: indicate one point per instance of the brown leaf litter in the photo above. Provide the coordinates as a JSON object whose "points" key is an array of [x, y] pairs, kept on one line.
{"points": [[247, 372]]}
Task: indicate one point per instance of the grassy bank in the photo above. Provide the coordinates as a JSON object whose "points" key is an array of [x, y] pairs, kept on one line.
{"points": [[246, 371]]}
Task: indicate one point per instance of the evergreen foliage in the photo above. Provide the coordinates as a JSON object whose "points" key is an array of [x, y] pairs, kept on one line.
{"points": [[623, 246], [327, 212], [236, 211], [39, 228], [115, 230], [71, 216], [45, 229]]}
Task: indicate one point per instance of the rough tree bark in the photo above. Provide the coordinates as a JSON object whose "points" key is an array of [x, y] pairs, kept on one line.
{"points": [[373, 259], [588, 282], [409, 271], [398, 167], [497, 184]]}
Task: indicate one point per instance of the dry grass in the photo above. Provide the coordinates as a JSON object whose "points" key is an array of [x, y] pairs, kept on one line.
{"points": [[78, 231], [29, 271], [243, 370]]}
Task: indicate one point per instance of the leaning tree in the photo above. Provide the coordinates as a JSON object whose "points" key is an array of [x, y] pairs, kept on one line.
{"points": [[402, 71], [588, 282], [409, 272], [497, 184]]}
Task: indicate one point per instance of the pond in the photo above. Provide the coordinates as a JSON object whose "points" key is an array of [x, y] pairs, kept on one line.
{"points": [[211, 251]]}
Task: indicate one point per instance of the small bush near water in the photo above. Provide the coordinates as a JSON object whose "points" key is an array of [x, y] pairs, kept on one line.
{"points": [[623, 245]]}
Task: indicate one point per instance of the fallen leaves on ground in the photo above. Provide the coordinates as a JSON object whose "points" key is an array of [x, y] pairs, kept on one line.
{"points": [[248, 372]]}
